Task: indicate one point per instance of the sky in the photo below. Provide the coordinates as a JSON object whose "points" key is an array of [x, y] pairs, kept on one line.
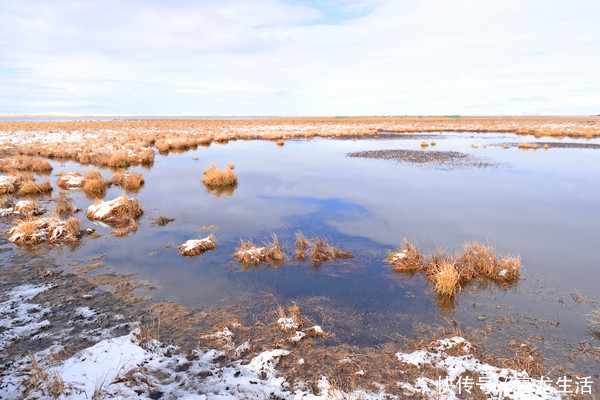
{"points": [[300, 57]]}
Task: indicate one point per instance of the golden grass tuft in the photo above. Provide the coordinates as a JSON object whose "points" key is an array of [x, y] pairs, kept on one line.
{"points": [[424, 144], [250, 254], [476, 261], [408, 258], [322, 251], [95, 184], [21, 163], [70, 180], [45, 229], [446, 278], [302, 246], [118, 160], [215, 178], [128, 180], [280, 143], [118, 212], [526, 146], [31, 188], [192, 248]]}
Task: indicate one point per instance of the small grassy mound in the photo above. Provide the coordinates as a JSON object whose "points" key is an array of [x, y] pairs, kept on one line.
{"points": [[219, 179]]}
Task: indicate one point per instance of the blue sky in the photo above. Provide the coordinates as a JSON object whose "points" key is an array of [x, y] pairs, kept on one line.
{"points": [[299, 57]]}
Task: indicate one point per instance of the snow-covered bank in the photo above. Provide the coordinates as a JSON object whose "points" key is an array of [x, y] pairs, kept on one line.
{"points": [[135, 366]]}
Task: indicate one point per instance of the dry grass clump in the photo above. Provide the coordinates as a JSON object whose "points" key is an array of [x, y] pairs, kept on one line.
{"points": [[317, 250], [128, 180], [9, 184], [31, 188], [163, 221], [70, 180], [526, 146], [409, 258], [215, 178], [20, 163], [449, 273], [280, 143], [250, 254], [424, 144], [118, 212], [48, 385], [446, 278], [45, 229], [195, 247], [95, 184], [118, 160], [322, 251], [27, 207], [64, 205], [302, 246]]}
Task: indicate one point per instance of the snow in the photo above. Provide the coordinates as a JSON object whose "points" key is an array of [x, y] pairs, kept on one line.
{"points": [[103, 209], [47, 229], [71, 180], [287, 323], [501, 382], [8, 184], [18, 317]]}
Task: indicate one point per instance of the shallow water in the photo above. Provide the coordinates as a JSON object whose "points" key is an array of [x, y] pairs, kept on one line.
{"points": [[541, 205]]}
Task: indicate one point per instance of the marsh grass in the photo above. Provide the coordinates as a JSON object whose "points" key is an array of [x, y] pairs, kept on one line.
{"points": [[131, 226], [64, 206], [34, 231], [21, 163], [70, 180], [321, 251], [31, 188], [408, 258], [118, 212], [128, 180], [269, 253], [302, 246], [449, 273], [40, 382], [192, 248], [95, 185], [217, 179]]}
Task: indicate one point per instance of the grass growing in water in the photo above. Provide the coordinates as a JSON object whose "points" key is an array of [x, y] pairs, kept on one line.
{"points": [[216, 179], [250, 254], [128, 180], [450, 273]]}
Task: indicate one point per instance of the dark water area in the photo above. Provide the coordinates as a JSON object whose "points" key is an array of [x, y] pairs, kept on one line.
{"points": [[541, 205]]}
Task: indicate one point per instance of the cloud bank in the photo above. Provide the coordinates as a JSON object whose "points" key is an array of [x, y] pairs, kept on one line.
{"points": [[275, 57]]}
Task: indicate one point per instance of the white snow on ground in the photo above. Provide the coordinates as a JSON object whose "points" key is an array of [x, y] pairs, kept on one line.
{"points": [[124, 368], [501, 383], [120, 368], [18, 318]]}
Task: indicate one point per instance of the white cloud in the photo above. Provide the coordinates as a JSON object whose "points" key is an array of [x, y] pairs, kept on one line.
{"points": [[281, 57]]}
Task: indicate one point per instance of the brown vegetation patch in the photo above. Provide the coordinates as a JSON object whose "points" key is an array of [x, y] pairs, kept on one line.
{"points": [[71, 180], [269, 253], [162, 221], [64, 205], [317, 250], [450, 273], [444, 160], [215, 178], [9, 184], [117, 212], [20, 163], [95, 185], [128, 180], [45, 229], [195, 247], [32, 188]]}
